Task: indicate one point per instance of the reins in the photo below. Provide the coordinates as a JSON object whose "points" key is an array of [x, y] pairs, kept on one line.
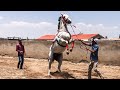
{"points": [[81, 46]]}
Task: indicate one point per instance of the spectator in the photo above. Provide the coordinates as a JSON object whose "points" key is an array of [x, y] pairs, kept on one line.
{"points": [[20, 49]]}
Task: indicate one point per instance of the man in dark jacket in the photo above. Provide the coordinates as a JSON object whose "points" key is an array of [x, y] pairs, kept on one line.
{"points": [[21, 50]]}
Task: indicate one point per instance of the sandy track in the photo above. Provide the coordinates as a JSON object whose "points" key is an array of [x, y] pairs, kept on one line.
{"points": [[37, 69]]}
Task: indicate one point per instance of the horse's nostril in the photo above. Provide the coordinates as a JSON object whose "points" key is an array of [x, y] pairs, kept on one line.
{"points": [[67, 53], [70, 50], [69, 22]]}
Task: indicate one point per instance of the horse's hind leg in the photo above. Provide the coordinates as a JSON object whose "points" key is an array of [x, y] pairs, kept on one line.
{"points": [[50, 60], [60, 62]]}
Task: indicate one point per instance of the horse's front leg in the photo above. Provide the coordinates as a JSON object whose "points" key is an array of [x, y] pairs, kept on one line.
{"points": [[60, 62], [72, 46], [67, 49]]}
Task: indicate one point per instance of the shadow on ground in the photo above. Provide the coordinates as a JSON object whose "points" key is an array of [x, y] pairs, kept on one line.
{"points": [[84, 61], [63, 74]]}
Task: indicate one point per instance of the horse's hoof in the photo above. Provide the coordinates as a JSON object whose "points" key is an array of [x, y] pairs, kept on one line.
{"points": [[101, 77], [48, 74], [58, 70]]}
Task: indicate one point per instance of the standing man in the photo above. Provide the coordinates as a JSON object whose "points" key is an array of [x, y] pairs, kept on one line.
{"points": [[21, 50], [93, 58]]}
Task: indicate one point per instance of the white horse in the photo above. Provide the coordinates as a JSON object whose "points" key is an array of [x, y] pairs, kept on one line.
{"points": [[60, 42]]}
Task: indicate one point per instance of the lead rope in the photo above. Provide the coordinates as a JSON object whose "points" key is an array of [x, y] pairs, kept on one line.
{"points": [[81, 41]]}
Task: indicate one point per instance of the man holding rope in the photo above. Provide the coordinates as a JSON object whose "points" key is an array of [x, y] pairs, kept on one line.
{"points": [[93, 58]]}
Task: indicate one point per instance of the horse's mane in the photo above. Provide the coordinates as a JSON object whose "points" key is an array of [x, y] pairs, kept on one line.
{"points": [[64, 26]]}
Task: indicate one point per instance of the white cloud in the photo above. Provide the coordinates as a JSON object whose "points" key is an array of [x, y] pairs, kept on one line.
{"points": [[89, 25], [26, 29], [35, 30], [115, 27], [82, 24], [110, 31], [1, 17]]}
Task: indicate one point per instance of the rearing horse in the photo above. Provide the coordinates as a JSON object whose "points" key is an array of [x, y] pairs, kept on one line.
{"points": [[60, 42]]}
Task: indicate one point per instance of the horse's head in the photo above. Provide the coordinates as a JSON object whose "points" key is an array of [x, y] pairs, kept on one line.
{"points": [[66, 19]]}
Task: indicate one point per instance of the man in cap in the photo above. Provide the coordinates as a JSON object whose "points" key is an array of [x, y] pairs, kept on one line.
{"points": [[21, 50], [93, 57]]}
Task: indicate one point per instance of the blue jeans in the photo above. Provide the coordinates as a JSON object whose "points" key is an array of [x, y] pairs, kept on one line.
{"points": [[21, 61]]}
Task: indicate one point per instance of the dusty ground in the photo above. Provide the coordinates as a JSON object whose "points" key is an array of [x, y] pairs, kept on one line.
{"points": [[37, 69]]}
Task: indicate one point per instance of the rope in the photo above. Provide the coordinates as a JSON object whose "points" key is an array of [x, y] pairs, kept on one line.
{"points": [[80, 40]]}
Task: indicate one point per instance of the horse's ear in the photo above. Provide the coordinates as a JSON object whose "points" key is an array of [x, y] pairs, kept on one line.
{"points": [[59, 18], [61, 14]]}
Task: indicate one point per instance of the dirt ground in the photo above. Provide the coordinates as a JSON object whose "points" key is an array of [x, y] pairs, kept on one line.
{"points": [[37, 69]]}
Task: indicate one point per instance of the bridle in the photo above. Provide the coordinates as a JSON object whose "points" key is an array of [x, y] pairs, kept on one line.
{"points": [[65, 22]]}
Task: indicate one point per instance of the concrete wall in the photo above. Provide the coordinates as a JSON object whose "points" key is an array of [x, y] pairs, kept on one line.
{"points": [[109, 52]]}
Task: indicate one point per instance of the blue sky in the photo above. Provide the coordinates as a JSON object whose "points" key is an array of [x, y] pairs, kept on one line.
{"points": [[33, 24]]}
